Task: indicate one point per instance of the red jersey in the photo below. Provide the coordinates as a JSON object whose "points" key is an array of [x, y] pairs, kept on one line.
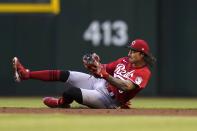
{"points": [[124, 70]]}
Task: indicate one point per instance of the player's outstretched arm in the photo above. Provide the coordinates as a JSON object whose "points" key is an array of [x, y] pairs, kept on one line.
{"points": [[124, 85]]}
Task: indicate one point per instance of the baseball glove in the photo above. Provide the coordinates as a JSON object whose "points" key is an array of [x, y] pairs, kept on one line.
{"points": [[92, 63]]}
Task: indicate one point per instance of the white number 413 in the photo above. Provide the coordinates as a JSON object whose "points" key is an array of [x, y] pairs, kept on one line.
{"points": [[110, 33]]}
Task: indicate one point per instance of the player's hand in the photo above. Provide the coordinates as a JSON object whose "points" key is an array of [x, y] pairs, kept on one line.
{"points": [[101, 72], [92, 63]]}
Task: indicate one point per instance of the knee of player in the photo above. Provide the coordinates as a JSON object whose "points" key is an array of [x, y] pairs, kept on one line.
{"points": [[74, 94], [64, 75]]}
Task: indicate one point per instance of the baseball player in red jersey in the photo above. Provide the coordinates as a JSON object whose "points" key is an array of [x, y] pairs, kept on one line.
{"points": [[110, 86]]}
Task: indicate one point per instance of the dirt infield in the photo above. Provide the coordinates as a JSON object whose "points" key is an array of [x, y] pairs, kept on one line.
{"points": [[160, 112]]}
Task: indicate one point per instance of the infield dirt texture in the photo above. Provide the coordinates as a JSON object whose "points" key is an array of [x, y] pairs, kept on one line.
{"points": [[160, 112]]}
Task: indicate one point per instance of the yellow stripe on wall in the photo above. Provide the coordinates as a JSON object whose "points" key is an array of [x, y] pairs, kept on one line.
{"points": [[55, 6], [52, 7]]}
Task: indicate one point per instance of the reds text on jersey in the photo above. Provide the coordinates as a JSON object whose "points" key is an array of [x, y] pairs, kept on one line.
{"points": [[124, 70]]}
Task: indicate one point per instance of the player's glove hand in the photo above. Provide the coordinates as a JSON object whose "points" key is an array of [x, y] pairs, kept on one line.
{"points": [[92, 63], [101, 72]]}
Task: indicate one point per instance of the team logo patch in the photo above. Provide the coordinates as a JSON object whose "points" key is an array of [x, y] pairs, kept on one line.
{"points": [[133, 43], [138, 80]]}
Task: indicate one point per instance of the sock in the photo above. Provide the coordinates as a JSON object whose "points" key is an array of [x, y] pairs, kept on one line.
{"points": [[63, 101], [64, 75], [46, 75]]}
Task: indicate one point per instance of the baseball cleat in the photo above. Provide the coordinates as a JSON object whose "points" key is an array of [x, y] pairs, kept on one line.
{"points": [[55, 102], [16, 74], [20, 73]]}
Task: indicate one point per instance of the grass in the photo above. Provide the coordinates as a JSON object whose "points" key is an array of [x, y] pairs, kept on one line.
{"points": [[62, 122], [179, 103], [174, 103], [21, 102], [35, 102], [57, 122]]}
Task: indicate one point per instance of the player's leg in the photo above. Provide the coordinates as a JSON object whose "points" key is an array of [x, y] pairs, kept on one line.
{"points": [[89, 86], [75, 83], [21, 73], [98, 99], [94, 99], [82, 80], [73, 78], [90, 98], [69, 95], [53, 102]]}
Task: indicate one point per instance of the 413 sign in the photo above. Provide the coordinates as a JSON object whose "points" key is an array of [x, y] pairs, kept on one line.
{"points": [[109, 33]]}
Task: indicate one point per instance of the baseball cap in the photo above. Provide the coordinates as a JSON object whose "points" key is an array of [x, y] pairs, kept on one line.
{"points": [[139, 45]]}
